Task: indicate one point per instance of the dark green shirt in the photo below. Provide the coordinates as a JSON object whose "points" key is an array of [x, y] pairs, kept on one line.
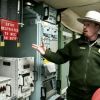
{"points": [[84, 57]]}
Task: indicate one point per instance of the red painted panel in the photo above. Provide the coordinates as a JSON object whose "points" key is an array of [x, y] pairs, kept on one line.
{"points": [[9, 29]]}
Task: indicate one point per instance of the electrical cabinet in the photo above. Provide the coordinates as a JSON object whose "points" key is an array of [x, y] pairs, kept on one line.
{"points": [[20, 70], [37, 30]]}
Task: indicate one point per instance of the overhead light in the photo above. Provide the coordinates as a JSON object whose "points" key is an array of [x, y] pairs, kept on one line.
{"points": [[29, 4]]}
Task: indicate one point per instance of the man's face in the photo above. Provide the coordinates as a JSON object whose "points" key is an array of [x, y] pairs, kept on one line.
{"points": [[90, 29]]}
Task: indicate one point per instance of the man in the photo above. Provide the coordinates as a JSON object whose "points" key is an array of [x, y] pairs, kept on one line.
{"points": [[84, 57]]}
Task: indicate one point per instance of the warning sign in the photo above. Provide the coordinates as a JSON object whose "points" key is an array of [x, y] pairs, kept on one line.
{"points": [[9, 29]]}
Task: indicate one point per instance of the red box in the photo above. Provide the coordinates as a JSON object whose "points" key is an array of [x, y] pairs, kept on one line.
{"points": [[9, 29]]}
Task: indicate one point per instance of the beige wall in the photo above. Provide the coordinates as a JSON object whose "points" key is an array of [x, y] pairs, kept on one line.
{"points": [[69, 19]]}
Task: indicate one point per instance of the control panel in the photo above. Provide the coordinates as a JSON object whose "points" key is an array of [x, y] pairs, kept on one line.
{"points": [[50, 35], [5, 88], [50, 40], [21, 72]]}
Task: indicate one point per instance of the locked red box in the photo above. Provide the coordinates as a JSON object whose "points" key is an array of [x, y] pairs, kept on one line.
{"points": [[9, 29]]}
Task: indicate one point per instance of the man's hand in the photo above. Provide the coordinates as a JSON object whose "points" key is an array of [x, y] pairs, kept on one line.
{"points": [[41, 48]]}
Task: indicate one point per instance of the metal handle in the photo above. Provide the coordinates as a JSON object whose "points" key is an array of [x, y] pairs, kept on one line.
{"points": [[35, 75], [10, 90], [43, 93]]}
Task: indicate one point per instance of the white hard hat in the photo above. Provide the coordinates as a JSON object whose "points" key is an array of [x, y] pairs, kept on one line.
{"points": [[93, 16]]}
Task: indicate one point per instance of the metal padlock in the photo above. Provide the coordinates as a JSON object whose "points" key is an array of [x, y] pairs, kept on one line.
{"points": [[2, 43], [18, 44]]}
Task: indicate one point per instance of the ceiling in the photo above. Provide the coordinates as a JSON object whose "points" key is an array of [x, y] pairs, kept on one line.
{"points": [[74, 10]]}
